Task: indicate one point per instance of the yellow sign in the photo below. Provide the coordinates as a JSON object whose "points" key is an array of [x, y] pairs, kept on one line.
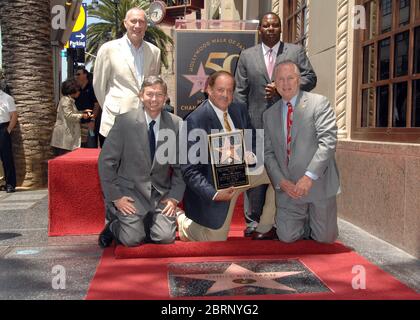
{"points": [[79, 24]]}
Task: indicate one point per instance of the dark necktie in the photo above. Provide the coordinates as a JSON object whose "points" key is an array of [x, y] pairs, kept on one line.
{"points": [[152, 139]]}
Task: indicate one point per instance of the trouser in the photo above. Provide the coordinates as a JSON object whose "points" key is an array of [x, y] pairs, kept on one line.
{"points": [[142, 227], [192, 231], [292, 215], [6, 155]]}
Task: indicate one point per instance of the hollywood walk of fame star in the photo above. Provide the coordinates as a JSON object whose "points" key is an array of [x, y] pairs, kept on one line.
{"points": [[236, 276], [229, 152], [198, 80]]}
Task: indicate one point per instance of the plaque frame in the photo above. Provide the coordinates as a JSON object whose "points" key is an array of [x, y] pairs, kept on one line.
{"points": [[220, 162]]}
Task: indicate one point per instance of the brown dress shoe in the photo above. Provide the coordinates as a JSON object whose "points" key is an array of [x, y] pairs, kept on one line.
{"points": [[270, 235]]}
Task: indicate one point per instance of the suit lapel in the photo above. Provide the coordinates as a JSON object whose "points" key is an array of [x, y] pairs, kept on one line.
{"points": [[212, 116], [236, 119], [261, 63], [129, 59], [143, 135], [298, 115], [164, 124]]}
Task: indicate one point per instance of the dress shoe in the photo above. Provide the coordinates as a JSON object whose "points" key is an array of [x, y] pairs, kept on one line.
{"points": [[105, 237], [9, 189], [270, 235], [249, 231]]}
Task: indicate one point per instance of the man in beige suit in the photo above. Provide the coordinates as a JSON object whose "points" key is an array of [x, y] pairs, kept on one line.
{"points": [[121, 66]]}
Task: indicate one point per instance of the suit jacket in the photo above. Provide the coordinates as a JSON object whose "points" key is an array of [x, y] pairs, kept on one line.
{"points": [[251, 77], [115, 82], [200, 189], [314, 139], [125, 167], [66, 133]]}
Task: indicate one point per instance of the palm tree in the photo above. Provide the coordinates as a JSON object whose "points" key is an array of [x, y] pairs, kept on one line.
{"points": [[28, 70], [101, 32]]}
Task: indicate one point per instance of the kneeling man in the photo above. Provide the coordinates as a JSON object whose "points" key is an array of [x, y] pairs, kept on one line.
{"points": [[139, 172], [300, 139], [208, 212]]}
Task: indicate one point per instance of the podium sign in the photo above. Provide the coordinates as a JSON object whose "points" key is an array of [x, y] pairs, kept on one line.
{"points": [[199, 53]]}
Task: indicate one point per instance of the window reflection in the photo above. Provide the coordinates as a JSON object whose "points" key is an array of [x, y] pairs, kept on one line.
{"points": [[386, 15], [404, 12], [416, 104], [383, 63], [417, 50], [401, 54], [399, 111], [382, 106]]}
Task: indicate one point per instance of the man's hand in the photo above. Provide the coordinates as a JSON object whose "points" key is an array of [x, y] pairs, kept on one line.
{"points": [[289, 187], [170, 208], [125, 205], [270, 91], [225, 194], [303, 186], [250, 158]]}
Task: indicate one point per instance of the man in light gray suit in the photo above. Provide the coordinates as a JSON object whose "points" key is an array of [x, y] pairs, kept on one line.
{"points": [[139, 172], [121, 66], [300, 139], [256, 89]]}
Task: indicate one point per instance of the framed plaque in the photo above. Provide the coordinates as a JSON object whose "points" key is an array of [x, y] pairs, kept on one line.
{"points": [[227, 153]]}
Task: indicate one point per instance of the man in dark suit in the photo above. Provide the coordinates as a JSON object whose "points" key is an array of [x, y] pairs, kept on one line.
{"points": [[256, 89], [300, 142], [208, 212], [140, 176]]}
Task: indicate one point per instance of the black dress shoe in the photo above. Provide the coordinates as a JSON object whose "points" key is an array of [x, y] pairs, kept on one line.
{"points": [[270, 235], [105, 237], [10, 188], [249, 231]]}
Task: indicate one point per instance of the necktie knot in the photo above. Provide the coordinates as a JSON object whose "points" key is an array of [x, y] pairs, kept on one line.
{"points": [[151, 124]]}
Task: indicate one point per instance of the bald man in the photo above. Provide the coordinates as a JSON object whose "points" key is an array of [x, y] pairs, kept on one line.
{"points": [[120, 67]]}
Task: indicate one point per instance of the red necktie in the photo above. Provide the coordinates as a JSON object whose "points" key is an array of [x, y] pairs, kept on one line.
{"points": [[289, 128]]}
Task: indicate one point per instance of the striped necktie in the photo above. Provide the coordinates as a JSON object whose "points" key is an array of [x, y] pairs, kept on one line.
{"points": [[289, 128]]}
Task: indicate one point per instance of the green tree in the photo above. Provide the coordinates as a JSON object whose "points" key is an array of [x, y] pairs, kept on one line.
{"points": [[105, 30]]}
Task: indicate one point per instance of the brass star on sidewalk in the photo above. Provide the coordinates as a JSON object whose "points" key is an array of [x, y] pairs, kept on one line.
{"points": [[198, 80], [236, 276]]}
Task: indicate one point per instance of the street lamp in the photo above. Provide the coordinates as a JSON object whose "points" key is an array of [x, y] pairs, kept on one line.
{"points": [[116, 3]]}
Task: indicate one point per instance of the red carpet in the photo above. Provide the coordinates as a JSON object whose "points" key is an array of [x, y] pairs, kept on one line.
{"points": [[132, 279], [75, 201]]}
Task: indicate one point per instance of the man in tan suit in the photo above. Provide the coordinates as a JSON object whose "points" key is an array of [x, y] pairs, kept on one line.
{"points": [[121, 66]]}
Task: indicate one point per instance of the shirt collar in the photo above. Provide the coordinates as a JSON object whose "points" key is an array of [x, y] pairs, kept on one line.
{"points": [[149, 119], [131, 46], [218, 111], [292, 101], [266, 48]]}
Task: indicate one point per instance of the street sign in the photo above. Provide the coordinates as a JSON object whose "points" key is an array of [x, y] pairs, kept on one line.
{"points": [[78, 35]]}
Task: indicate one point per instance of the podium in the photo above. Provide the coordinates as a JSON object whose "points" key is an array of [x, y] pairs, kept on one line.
{"points": [[75, 202]]}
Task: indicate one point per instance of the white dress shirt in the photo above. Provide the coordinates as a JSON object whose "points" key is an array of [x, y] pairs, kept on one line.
{"points": [[7, 105], [138, 55], [219, 114], [155, 127]]}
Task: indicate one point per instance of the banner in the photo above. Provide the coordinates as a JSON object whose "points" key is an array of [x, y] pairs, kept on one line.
{"points": [[200, 53]]}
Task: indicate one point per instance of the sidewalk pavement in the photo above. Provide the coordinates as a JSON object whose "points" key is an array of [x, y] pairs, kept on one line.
{"points": [[29, 259]]}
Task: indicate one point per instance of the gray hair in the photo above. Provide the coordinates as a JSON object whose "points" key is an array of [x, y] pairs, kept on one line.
{"points": [[287, 62], [135, 9], [151, 81]]}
